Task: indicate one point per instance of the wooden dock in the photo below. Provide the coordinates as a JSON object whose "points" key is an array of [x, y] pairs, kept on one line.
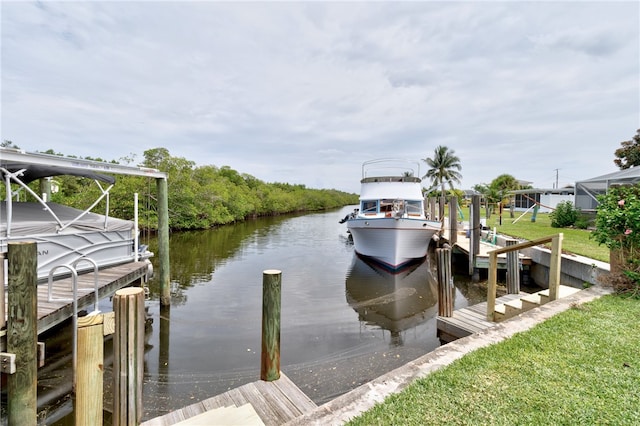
{"points": [[110, 279], [469, 320], [482, 258], [258, 403]]}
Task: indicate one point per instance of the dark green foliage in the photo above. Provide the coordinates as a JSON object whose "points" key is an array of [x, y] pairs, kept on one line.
{"points": [[582, 222], [564, 215], [628, 155], [199, 197], [618, 227]]}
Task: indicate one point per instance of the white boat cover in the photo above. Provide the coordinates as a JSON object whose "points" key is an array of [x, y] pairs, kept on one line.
{"points": [[32, 219]]}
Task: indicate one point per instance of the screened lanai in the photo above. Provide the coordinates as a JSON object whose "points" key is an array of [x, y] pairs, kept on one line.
{"points": [[588, 190]]}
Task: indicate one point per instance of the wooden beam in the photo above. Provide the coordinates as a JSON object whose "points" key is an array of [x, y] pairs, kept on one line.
{"points": [[492, 284], [555, 266]]}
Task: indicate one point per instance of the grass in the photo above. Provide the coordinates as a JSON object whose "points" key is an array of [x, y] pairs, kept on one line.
{"points": [[581, 366], [575, 241]]}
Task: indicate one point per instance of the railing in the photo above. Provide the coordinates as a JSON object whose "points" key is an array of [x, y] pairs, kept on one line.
{"points": [[554, 268], [74, 299]]}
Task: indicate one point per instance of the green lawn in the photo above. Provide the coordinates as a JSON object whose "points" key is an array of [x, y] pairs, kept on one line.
{"points": [[575, 240], [580, 367]]}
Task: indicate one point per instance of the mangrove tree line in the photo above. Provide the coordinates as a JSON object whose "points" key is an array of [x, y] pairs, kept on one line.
{"points": [[200, 197]]}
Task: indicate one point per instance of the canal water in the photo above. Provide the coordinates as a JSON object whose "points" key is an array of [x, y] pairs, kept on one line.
{"points": [[344, 321]]}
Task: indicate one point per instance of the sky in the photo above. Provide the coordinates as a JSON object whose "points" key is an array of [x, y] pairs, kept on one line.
{"points": [[305, 92]]}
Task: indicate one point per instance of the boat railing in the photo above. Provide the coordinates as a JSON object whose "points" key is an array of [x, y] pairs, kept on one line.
{"points": [[15, 177], [401, 167], [74, 282]]}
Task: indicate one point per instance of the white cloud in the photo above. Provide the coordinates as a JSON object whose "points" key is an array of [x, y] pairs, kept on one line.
{"points": [[305, 92]]}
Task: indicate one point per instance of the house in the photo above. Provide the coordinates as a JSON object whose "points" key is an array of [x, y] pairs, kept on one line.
{"points": [[587, 191], [547, 199]]}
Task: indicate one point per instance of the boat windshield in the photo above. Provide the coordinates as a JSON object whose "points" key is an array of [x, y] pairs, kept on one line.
{"points": [[414, 207], [369, 207]]}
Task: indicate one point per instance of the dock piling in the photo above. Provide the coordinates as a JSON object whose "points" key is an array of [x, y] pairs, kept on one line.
{"points": [[2, 280], [128, 363], [453, 220], [445, 282], [164, 275], [474, 234], [513, 269], [22, 332], [89, 371], [271, 301]]}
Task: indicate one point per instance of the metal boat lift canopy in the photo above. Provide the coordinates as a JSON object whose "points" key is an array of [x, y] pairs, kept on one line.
{"points": [[39, 165]]}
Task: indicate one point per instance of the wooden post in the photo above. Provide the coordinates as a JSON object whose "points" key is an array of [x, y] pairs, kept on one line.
{"points": [[2, 280], [474, 244], [445, 282], [492, 284], [535, 213], [22, 332], [163, 350], [89, 373], [513, 269], [432, 208], [453, 220], [554, 267], [128, 363], [271, 300], [163, 242]]}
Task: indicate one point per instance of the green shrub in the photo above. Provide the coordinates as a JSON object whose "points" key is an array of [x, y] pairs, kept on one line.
{"points": [[564, 215], [582, 222], [618, 227]]}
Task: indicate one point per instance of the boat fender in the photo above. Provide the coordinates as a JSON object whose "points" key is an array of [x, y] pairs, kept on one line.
{"points": [[149, 270]]}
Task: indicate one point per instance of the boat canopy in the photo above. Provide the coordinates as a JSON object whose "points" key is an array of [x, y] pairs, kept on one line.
{"points": [[32, 219], [32, 172], [391, 190]]}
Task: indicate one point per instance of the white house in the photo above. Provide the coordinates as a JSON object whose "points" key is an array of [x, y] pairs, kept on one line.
{"points": [[547, 199]]}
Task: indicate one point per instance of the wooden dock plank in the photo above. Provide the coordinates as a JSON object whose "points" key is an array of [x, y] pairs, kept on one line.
{"points": [[275, 402], [470, 320], [482, 258], [52, 313], [265, 405], [297, 397]]}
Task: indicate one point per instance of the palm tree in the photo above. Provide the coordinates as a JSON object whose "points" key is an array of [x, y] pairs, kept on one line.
{"points": [[444, 168]]}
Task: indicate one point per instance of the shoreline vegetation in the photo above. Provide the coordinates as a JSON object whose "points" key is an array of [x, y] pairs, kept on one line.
{"points": [[200, 197]]}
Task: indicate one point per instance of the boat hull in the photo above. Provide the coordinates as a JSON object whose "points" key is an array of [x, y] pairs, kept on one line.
{"points": [[393, 242]]}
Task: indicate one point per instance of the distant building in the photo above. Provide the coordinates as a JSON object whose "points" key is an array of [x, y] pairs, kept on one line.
{"points": [[468, 193], [587, 191], [547, 199]]}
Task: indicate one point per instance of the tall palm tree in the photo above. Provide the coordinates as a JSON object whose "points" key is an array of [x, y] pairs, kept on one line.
{"points": [[444, 168]]}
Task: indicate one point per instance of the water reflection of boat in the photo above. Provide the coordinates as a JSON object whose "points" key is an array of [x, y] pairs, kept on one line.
{"points": [[395, 301]]}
